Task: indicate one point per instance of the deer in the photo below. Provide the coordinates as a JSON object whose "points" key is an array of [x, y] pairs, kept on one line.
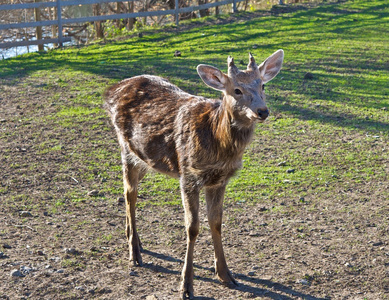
{"points": [[198, 140]]}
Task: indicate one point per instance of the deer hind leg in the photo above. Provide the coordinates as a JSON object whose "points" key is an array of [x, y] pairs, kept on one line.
{"points": [[131, 177], [190, 200], [214, 197]]}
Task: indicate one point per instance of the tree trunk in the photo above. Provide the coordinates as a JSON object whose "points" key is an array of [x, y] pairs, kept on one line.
{"points": [[98, 24], [37, 13], [145, 8], [53, 16], [118, 11], [131, 21], [203, 12]]}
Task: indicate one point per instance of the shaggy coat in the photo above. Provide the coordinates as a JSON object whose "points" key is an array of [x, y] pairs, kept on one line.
{"points": [[198, 140]]}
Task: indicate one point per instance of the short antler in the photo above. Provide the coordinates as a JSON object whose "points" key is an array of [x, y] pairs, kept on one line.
{"points": [[232, 69], [252, 65]]}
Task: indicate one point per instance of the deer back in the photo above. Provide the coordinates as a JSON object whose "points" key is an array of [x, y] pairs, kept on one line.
{"points": [[179, 134]]}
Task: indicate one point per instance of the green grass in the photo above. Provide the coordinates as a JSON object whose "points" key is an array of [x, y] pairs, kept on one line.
{"points": [[332, 130]]}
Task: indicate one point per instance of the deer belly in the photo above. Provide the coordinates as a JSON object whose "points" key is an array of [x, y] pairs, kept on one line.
{"points": [[215, 177], [158, 153]]}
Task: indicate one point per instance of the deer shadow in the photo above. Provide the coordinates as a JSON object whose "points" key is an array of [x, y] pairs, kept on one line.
{"points": [[270, 289]]}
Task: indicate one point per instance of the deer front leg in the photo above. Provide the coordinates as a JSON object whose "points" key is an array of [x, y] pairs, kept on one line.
{"points": [[214, 197], [130, 180], [190, 200]]}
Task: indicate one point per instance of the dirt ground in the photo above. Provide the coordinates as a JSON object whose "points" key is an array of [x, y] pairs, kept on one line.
{"points": [[55, 248], [77, 250]]}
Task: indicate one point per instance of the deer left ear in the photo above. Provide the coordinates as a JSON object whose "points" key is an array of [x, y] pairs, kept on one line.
{"points": [[212, 77], [271, 66]]}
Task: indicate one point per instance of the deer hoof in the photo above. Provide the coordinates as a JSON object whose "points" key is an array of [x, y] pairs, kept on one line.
{"points": [[136, 262], [135, 248], [187, 290], [228, 280], [231, 284], [136, 259]]}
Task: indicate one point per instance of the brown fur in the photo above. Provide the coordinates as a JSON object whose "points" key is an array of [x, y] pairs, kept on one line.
{"points": [[200, 141]]}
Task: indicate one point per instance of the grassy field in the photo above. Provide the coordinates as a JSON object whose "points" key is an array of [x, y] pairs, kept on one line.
{"points": [[309, 207]]}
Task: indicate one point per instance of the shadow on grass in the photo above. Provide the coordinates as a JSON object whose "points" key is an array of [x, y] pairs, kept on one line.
{"points": [[270, 289], [330, 116], [117, 63], [118, 60]]}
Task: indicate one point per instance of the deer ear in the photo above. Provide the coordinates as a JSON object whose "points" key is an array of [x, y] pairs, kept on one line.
{"points": [[212, 77], [271, 66]]}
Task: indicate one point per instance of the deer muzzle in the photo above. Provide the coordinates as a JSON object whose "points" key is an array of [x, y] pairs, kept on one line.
{"points": [[263, 113]]}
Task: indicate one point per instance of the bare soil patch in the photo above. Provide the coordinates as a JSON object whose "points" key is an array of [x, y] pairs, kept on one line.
{"points": [[77, 250]]}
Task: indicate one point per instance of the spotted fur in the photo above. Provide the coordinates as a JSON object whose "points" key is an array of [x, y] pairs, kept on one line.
{"points": [[198, 140]]}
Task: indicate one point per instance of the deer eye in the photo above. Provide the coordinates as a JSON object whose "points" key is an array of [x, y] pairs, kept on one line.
{"points": [[238, 92]]}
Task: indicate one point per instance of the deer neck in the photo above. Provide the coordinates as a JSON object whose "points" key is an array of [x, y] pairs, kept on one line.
{"points": [[228, 131]]}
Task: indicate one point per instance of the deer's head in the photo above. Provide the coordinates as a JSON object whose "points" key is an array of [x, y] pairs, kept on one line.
{"points": [[244, 90]]}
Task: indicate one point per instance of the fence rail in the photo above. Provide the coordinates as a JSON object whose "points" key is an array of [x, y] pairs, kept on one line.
{"points": [[59, 22]]}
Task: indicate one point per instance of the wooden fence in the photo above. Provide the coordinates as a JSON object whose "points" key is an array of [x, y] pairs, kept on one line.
{"points": [[60, 21]]}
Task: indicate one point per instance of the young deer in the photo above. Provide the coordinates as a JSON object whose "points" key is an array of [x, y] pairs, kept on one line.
{"points": [[198, 140]]}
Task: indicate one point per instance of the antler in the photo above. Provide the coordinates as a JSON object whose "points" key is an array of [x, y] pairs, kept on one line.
{"points": [[252, 65], [232, 69]]}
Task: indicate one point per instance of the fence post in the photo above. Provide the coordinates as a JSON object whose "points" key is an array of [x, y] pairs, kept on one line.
{"points": [[177, 15], [59, 16], [234, 9], [37, 13]]}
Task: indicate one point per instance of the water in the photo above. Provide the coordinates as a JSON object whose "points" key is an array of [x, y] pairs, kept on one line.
{"points": [[16, 51]]}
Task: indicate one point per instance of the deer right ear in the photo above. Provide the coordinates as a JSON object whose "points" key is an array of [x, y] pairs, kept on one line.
{"points": [[271, 66], [212, 77]]}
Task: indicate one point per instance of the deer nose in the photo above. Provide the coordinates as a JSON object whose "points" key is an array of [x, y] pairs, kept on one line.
{"points": [[263, 113]]}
